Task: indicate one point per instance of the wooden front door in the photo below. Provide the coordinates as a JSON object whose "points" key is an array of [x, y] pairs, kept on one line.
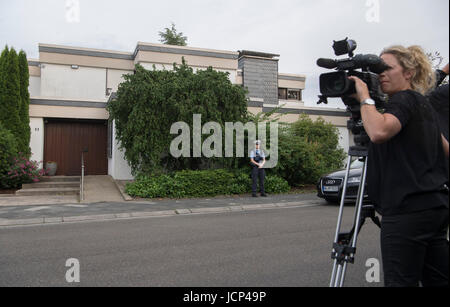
{"points": [[64, 141]]}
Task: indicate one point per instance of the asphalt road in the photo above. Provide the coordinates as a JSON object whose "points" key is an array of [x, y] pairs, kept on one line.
{"points": [[287, 247]]}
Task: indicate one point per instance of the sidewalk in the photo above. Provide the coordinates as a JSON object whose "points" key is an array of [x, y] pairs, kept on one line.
{"points": [[77, 212], [96, 189], [101, 189], [12, 200]]}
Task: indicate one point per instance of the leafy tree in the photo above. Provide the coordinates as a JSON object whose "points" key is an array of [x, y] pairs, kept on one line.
{"points": [[150, 101], [307, 150], [172, 37], [436, 60]]}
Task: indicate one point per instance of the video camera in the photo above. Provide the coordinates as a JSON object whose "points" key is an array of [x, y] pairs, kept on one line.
{"points": [[337, 84]]}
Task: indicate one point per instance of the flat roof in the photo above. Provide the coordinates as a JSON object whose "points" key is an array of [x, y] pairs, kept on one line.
{"points": [[141, 46], [258, 54]]}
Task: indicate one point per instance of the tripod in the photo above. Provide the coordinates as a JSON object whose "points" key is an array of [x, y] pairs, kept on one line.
{"points": [[344, 246]]}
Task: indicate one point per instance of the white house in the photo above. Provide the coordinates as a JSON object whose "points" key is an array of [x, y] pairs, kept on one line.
{"points": [[70, 87]]}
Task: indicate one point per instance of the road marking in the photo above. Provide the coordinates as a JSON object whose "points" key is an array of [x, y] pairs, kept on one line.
{"points": [[167, 213]]}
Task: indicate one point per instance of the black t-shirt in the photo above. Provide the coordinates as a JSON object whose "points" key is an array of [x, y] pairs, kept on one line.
{"points": [[405, 173]]}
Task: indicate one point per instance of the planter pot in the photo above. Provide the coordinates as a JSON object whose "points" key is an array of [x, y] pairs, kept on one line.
{"points": [[51, 167]]}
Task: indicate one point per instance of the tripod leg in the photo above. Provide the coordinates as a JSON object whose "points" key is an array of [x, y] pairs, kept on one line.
{"points": [[358, 223], [344, 192], [335, 273], [340, 266], [337, 282], [360, 202], [344, 270]]}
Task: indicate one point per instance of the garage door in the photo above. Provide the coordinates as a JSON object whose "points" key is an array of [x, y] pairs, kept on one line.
{"points": [[64, 141]]}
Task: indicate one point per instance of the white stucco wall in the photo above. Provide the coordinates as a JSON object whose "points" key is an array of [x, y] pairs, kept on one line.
{"points": [[35, 86], [344, 138], [118, 167], [115, 77], [37, 139], [62, 81]]}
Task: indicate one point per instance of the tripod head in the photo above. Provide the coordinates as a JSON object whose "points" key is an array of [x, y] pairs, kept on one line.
{"points": [[355, 125]]}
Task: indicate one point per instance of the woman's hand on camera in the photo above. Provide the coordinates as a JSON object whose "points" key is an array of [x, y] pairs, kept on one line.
{"points": [[362, 91]]}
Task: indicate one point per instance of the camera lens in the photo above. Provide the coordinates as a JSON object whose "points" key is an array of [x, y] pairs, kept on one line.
{"points": [[337, 85], [334, 84]]}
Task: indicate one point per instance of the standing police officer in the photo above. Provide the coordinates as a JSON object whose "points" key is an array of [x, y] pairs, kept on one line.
{"points": [[258, 159]]}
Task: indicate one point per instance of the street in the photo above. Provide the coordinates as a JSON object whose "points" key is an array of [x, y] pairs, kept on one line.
{"points": [[286, 247]]}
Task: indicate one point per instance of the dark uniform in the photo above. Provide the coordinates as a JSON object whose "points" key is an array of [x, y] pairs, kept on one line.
{"points": [[257, 173]]}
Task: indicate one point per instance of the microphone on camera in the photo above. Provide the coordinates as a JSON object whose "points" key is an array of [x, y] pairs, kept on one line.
{"points": [[366, 61], [327, 63]]}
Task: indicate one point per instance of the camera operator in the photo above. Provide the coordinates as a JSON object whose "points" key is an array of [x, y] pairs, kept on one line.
{"points": [[439, 99], [407, 170]]}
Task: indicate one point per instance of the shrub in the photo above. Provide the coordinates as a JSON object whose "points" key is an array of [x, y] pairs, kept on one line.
{"points": [[276, 185], [150, 101], [307, 150], [200, 183], [23, 171]]}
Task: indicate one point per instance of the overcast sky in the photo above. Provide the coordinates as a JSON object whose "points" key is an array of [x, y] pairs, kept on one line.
{"points": [[300, 31]]}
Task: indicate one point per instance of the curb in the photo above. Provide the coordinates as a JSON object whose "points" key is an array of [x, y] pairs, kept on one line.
{"points": [[121, 189], [146, 214]]}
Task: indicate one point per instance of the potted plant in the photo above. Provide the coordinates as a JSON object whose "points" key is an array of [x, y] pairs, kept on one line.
{"points": [[51, 167]]}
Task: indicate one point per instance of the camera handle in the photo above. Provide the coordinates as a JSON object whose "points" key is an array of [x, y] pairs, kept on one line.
{"points": [[344, 245]]}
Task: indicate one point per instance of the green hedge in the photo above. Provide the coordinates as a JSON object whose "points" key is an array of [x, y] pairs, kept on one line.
{"points": [[200, 184]]}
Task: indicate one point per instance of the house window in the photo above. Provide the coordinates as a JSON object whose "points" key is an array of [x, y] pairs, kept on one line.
{"points": [[282, 93], [294, 95], [289, 94]]}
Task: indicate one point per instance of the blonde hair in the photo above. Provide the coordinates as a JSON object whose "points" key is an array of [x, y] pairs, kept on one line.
{"points": [[415, 60]]}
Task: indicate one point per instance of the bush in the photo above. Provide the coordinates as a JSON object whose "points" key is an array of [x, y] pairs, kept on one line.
{"points": [[8, 150], [23, 171], [200, 184], [276, 185], [150, 101], [307, 150]]}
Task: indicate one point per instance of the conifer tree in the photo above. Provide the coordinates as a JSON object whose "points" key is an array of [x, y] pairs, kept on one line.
{"points": [[172, 37], [24, 141], [3, 58], [10, 92]]}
